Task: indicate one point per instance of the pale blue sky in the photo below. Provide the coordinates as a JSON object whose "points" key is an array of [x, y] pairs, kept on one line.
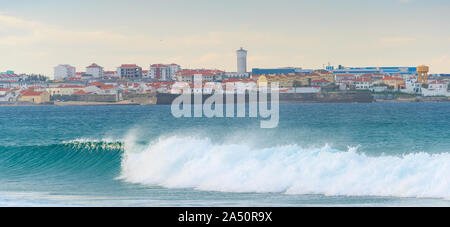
{"points": [[37, 35]]}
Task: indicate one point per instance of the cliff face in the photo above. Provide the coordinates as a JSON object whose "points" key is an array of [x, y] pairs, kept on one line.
{"points": [[291, 98]]}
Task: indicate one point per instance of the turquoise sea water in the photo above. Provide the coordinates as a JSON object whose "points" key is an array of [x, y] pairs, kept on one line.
{"points": [[378, 154]]}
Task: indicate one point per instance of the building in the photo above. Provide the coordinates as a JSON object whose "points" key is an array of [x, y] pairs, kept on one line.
{"points": [[278, 71], [392, 71], [94, 70], [391, 81], [412, 87], [436, 88], [233, 75], [146, 73], [344, 77], [320, 83], [262, 81], [363, 83], [162, 72], [129, 71], [63, 71], [36, 97], [101, 88], [300, 79], [187, 75], [64, 89], [8, 95], [438, 85], [110, 74], [173, 69], [322, 75], [241, 60], [8, 72]]}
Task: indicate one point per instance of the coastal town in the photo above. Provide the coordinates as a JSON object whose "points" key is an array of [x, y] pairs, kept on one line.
{"points": [[132, 84]]}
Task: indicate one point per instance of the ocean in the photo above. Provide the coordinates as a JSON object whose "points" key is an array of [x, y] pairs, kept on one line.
{"points": [[373, 154]]}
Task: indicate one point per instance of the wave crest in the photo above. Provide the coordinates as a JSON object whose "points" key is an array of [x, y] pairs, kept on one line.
{"points": [[94, 145]]}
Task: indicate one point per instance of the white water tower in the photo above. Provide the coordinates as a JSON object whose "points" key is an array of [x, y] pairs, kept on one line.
{"points": [[241, 61]]}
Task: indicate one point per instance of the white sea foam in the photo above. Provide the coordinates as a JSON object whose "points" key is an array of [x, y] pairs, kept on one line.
{"points": [[184, 162], [90, 140]]}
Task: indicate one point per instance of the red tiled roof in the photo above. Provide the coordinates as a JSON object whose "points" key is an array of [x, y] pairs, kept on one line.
{"points": [[80, 92], [70, 86], [159, 66], [129, 66], [437, 82], [320, 81], [73, 78], [93, 65], [8, 75], [345, 75], [391, 78], [364, 79], [234, 80], [101, 85], [31, 92]]}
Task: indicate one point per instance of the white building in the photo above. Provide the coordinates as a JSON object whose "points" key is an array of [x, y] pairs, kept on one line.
{"points": [[145, 73], [63, 71], [173, 69], [94, 70], [231, 75], [8, 96], [162, 72], [412, 87], [436, 88], [363, 83], [241, 60], [110, 74]]}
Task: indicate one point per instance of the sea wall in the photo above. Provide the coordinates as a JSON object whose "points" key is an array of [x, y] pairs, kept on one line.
{"points": [[85, 98], [142, 99], [290, 98]]}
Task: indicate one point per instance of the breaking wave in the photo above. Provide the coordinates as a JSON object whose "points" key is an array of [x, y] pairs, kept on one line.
{"points": [[190, 162], [186, 162]]}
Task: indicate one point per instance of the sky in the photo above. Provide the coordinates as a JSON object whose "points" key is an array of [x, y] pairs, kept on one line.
{"points": [[35, 35]]}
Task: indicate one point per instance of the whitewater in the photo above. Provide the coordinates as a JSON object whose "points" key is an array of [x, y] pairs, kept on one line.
{"points": [[186, 162]]}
